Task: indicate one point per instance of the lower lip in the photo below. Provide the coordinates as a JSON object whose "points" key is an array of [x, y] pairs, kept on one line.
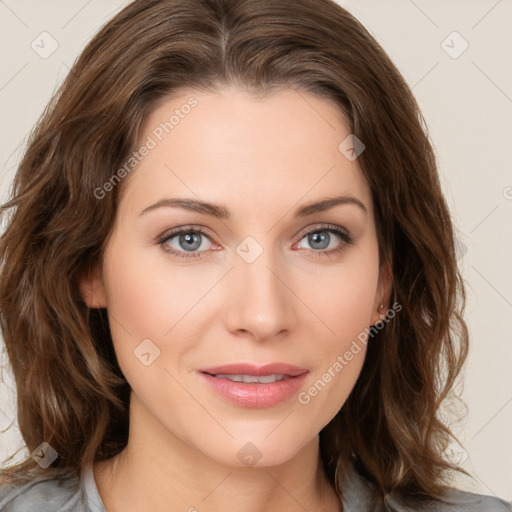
{"points": [[255, 396]]}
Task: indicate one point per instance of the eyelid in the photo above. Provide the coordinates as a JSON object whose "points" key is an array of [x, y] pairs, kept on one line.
{"points": [[200, 229], [346, 238], [178, 230], [321, 227]]}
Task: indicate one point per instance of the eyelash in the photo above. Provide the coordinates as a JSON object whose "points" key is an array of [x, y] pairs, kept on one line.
{"points": [[328, 228]]}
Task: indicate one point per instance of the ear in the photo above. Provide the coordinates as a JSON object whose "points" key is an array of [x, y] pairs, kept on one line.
{"points": [[382, 297], [92, 288]]}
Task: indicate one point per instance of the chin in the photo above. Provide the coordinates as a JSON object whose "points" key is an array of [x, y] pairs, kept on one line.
{"points": [[260, 450]]}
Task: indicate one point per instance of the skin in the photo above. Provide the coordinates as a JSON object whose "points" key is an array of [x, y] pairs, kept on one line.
{"points": [[261, 159]]}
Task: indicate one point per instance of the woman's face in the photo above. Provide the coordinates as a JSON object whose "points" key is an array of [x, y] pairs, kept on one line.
{"points": [[256, 288]]}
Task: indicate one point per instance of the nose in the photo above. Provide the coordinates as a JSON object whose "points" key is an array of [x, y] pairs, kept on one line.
{"points": [[261, 303]]}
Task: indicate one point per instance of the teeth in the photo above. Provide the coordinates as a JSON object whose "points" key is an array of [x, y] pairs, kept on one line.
{"points": [[252, 379]]}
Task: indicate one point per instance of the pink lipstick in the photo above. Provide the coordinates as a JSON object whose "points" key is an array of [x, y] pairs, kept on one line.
{"points": [[251, 386]]}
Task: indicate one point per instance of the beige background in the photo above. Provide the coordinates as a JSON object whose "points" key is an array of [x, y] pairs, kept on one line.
{"points": [[466, 98]]}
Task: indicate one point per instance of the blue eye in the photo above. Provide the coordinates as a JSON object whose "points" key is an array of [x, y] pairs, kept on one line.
{"points": [[189, 240], [319, 235]]}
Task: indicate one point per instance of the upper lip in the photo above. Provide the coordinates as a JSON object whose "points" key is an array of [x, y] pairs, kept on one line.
{"points": [[251, 369]]}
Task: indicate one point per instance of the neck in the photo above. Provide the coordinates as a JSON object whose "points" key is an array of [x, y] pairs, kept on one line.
{"points": [[160, 472]]}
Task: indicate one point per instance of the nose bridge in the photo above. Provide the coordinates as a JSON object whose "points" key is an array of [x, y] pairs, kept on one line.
{"points": [[261, 302]]}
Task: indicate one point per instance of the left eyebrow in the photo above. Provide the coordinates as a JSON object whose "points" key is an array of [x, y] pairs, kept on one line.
{"points": [[327, 204], [221, 212]]}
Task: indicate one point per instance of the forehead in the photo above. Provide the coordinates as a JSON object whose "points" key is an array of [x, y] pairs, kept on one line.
{"points": [[247, 152]]}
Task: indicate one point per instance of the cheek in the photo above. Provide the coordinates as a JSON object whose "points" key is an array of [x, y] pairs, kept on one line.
{"points": [[344, 304], [149, 294], [343, 296], [149, 298], [338, 357], [137, 298]]}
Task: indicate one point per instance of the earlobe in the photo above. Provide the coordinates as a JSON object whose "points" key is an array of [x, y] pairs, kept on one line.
{"points": [[92, 288], [383, 294]]}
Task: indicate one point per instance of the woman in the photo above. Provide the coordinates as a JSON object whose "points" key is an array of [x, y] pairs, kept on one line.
{"points": [[179, 340]]}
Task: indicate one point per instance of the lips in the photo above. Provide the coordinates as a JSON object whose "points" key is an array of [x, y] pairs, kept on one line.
{"points": [[247, 385], [257, 371]]}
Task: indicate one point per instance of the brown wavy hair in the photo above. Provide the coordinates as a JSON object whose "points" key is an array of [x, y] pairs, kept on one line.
{"points": [[70, 390]]}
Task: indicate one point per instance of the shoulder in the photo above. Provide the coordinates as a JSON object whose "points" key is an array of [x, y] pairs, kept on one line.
{"points": [[361, 495], [456, 501], [43, 495]]}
